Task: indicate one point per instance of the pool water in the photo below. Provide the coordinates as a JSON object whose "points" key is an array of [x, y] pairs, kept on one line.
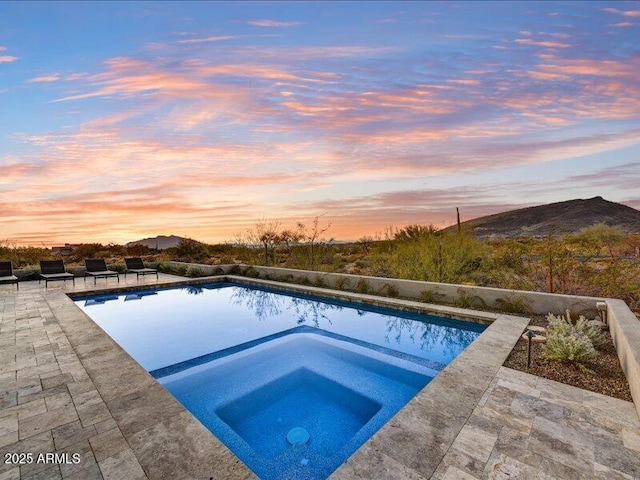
{"points": [[292, 384]]}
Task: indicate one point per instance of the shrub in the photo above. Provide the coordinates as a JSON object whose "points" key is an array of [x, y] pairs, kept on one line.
{"points": [[389, 290], [573, 347], [288, 278], [565, 325], [251, 272], [303, 281], [466, 300], [31, 273], [343, 283], [513, 304], [218, 271], [430, 296], [194, 272], [319, 281], [172, 269], [117, 267], [363, 286]]}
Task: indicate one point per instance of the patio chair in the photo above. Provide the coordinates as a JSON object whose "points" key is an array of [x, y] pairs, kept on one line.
{"points": [[135, 265], [6, 274], [97, 268], [51, 270]]}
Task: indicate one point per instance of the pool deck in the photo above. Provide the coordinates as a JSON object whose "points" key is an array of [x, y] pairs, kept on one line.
{"points": [[66, 387]]}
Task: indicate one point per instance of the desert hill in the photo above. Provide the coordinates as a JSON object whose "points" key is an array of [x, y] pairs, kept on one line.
{"points": [[562, 217], [161, 242]]}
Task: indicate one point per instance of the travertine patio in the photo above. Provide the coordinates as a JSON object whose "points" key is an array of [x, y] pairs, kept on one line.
{"points": [[66, 387]]}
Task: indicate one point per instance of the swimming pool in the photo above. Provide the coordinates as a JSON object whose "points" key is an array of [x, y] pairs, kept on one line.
{"points": [[292, 384]]}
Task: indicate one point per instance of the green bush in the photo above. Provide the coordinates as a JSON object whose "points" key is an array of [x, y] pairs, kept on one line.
{"points": [[430, 296], [389, 290], [569, 341], [172, 269], [565, 325], [194, 272], [235, 270], [343, 283], [252, 273], [573, 347], [466, 300], [117, 267], [363, 286], [513, 304], [31, 273]]}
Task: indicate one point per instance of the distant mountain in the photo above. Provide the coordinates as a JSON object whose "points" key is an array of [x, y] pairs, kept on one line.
{"points": [[161, 242], [563, 217]]}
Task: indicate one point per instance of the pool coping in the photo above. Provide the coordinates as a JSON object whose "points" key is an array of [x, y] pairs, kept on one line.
{"points": [[169, 442]]}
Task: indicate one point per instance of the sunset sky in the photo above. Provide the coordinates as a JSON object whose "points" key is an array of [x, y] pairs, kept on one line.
{"points": [[124, 120]]}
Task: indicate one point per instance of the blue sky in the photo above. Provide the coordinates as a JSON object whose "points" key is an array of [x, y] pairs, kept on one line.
{"points": [[121, 120]]}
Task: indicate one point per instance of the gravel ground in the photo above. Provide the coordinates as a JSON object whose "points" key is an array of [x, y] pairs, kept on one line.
{"points": [[602, 375]]}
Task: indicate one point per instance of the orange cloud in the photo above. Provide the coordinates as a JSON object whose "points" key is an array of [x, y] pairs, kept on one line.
{"points": [[273, 23], [214, 38], [622, 24], [261, 71], [541, 43], [45, 79], [546, 76], [626, 13], [579, 66]]}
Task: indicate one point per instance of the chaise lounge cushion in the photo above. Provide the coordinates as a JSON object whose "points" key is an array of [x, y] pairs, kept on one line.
{"points": [[6, 273], [135, 265], [97, 267], [54, 270]]}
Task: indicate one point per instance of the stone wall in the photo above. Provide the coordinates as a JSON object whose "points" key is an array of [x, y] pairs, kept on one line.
{"points": [[625, 331], [470, 296], [623, 324]]}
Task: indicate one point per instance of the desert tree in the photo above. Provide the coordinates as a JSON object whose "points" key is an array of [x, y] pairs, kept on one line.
{"points": [[267, 233], [313, 238]]}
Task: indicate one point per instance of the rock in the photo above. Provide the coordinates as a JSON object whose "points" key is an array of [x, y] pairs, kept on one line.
{"points": [[537, 330], [536, 339]]}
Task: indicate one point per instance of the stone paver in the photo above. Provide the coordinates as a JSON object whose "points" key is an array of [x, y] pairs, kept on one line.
{"points": [[565, 437], [66, 388]]}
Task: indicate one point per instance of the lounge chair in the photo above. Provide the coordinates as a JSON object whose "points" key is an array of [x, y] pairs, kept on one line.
{"points": [[6, 274], [135, 265], [97, 268], [54, 270]]}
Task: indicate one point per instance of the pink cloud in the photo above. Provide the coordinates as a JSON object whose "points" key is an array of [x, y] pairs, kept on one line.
{"points": [[126, 77], [263, 71], [211, 39], [7, 59], [546, 76], [579, 66], [45, 79], [626, 13], [541, 43], [273, 23]]}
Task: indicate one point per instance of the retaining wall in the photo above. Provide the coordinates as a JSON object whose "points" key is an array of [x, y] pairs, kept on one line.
{"points": [[623, 324], [478, 297]]}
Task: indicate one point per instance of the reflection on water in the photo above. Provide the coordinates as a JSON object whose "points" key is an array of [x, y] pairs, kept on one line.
{"points": [[167, 326], [138, 296], [399, 331], [193, 290], [100, 300], [268, 304], [427, 335]]}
